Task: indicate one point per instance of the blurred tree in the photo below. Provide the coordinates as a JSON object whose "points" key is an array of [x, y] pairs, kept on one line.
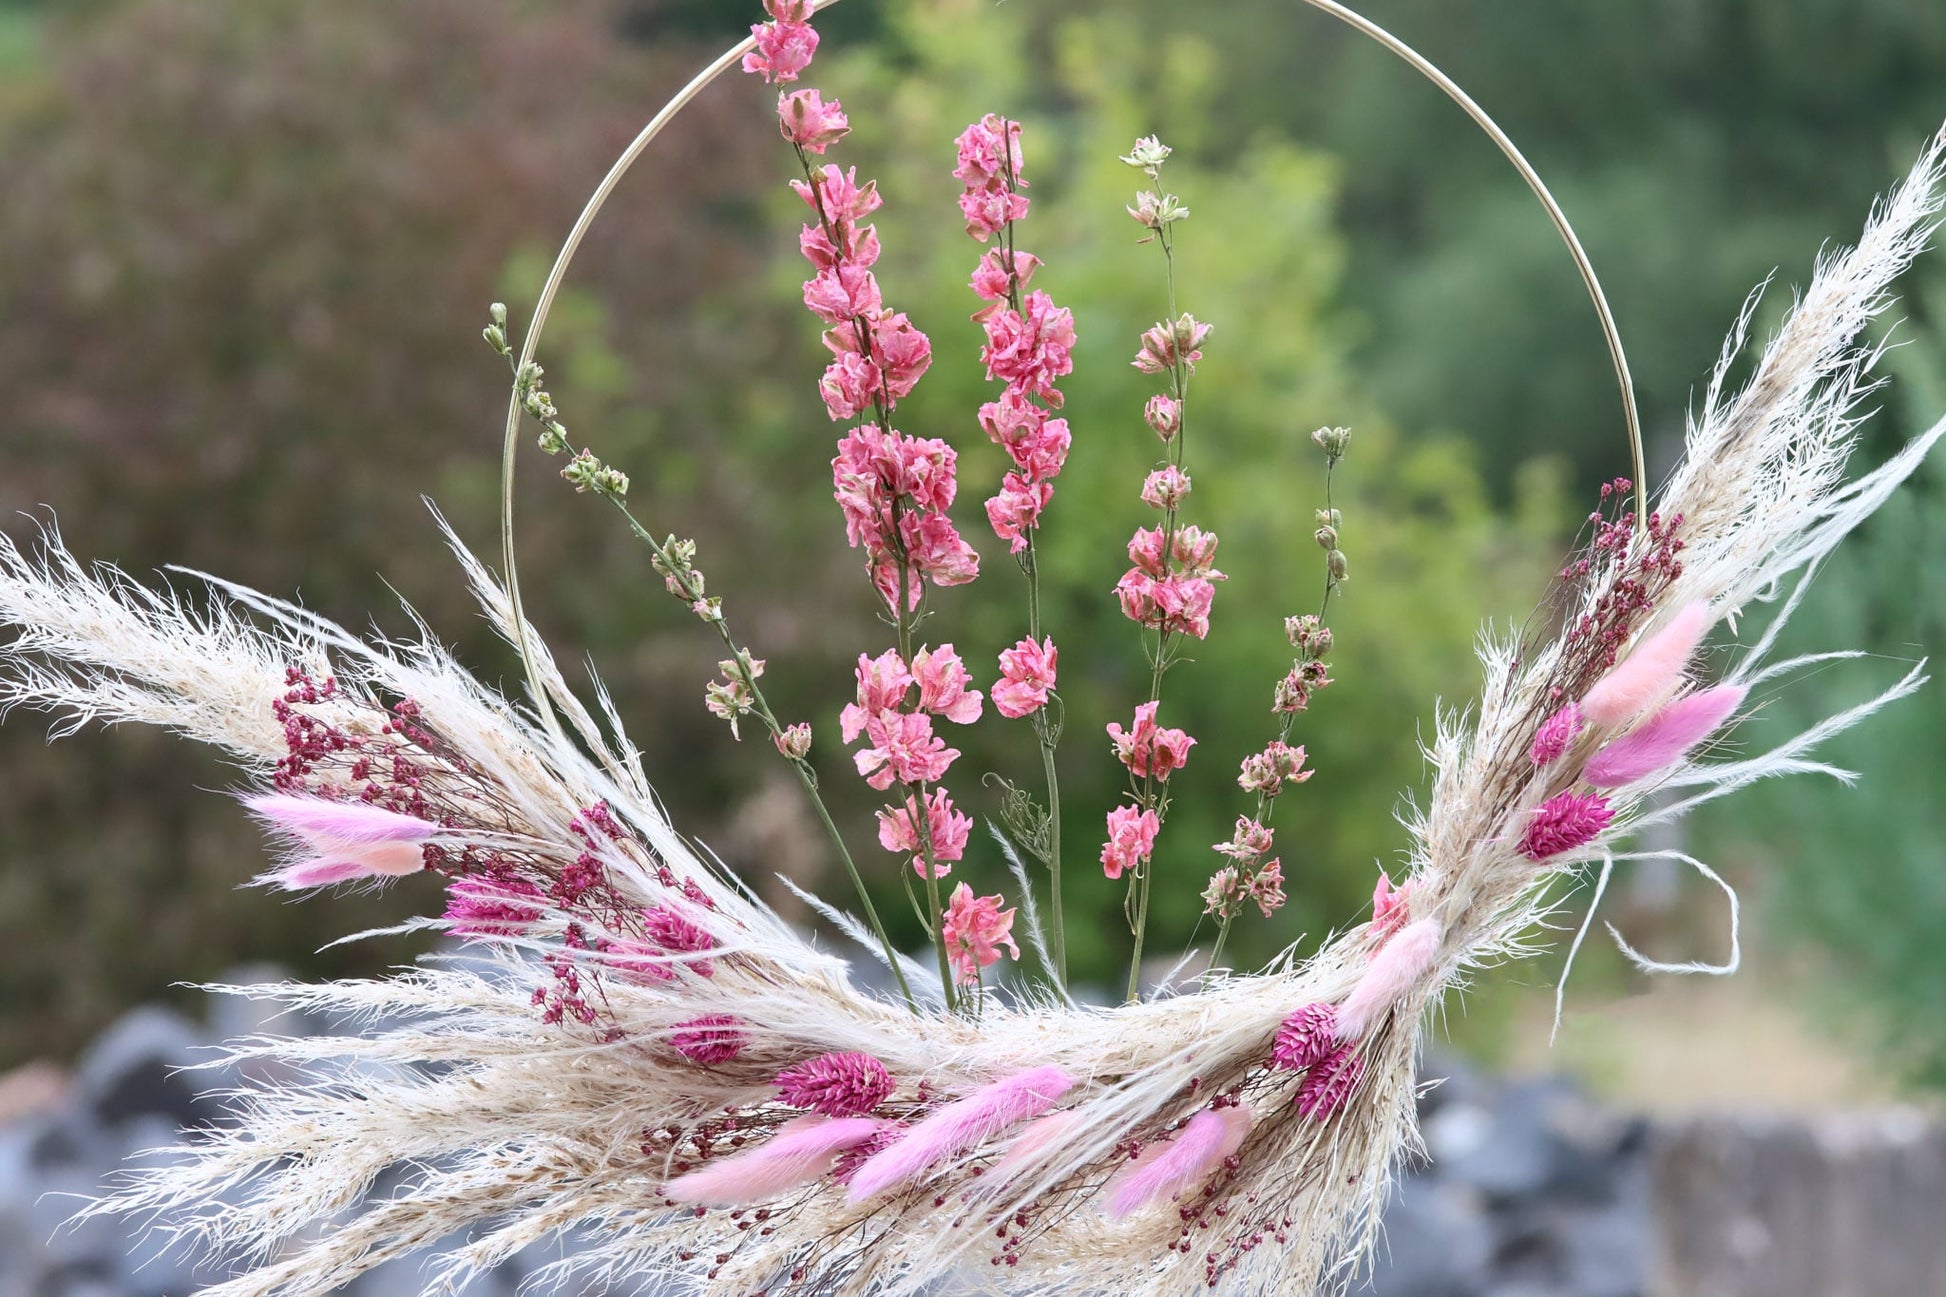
{"points": [[244, 259]]}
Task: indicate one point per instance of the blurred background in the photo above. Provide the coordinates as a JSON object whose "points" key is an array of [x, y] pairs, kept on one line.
{"points": [[246, 247]]}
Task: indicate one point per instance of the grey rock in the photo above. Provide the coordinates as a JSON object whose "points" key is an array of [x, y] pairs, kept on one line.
{"points": [[132, 1070], [1437, 1242]]}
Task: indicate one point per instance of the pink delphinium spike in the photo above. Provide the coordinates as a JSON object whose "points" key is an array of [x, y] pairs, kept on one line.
{"points": [[1563, 822], [346, 840], [1185, 1162], [800, 1152], [1556, 732], [1650, 671], [1661, 741], [846, 1084], [1394, 970], [1327, 1087], [960, 1125], [1305, 1037]]}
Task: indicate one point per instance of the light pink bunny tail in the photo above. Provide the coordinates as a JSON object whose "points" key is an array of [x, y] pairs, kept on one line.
{"points": [[1650, 671], [342, 864], [960, 1125], [1400, 963], [1660, 741], [337, 823], [306, 874], [1185, 1162], [800, 1152], [1031, 1143]]}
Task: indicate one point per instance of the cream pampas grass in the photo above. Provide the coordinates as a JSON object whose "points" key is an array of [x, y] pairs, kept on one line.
{"points": [[610, 1065]]}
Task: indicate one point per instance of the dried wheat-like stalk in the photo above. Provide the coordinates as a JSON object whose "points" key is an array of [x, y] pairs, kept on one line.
{"points": [[618, 1062]]}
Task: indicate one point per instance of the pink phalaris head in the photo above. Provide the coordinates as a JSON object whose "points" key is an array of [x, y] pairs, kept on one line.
{"points": [[1660, 742], [801, 1151], [960, 1125], [1394, 970], [1554, 735], [848, 1084], [1033, 1143], [1648, 673], [1305, 1037], [1564, 822], [342, 840], [1183, 1163], [492, 907], [1328, 1087], [709, 1040]]}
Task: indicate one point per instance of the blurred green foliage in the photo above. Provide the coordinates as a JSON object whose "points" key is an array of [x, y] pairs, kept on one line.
{"points": [[247, 247]]}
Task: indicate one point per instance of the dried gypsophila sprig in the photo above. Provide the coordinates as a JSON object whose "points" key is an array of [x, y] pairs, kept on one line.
{"points": [[529, 1128]]}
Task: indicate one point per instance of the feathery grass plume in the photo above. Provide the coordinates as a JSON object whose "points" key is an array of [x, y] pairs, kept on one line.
{"points": [[624, 1027]]}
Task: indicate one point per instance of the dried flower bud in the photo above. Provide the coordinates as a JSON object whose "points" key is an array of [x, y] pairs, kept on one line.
{"points": [[1148, 154], [496, 338], [1293, 695], [1164, 416], [1165, 488], [581, 471], [1330, 518], [1321, 642], [794, 741], [1327, 538], [498, 314], [553, 438], [1332, 441], [1156, 211], [1335, 564]]}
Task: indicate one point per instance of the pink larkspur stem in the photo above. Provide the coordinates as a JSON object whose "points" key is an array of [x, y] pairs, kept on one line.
{"points": [[1395, 970], [1650, 672], [1660, 742], [801, 1151], [960, 1125], [1184, 1162]]}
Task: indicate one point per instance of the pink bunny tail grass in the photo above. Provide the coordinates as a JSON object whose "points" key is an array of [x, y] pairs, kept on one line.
{"points": [[1033, 1143], [1394, 970], [376, 860], [334, 824], [1650, 671], [1185, 1162], [800, 1152], [960, 1125], [1661, 741]]}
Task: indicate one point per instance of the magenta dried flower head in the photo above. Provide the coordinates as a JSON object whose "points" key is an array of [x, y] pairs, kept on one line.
{"points": [[1564, 822], [708, 1041], [1327, 1087], [848, 1084], [490, 907], [1306, 1038], [1556, 732]]}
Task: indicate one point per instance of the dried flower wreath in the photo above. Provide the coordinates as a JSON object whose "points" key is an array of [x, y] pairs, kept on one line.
{"points": [[646, 1057]]}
